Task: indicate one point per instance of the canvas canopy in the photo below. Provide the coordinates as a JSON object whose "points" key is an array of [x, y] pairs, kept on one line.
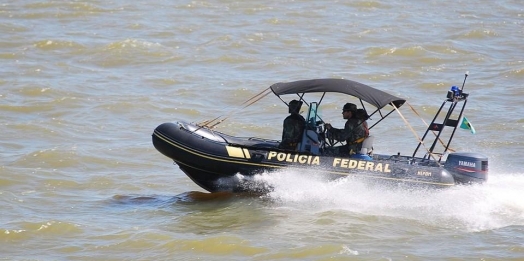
{"points": [[364, 92]]}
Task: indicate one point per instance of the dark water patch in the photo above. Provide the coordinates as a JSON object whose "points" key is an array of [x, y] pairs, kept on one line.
{"points": [[138, 200], [187, 198]]}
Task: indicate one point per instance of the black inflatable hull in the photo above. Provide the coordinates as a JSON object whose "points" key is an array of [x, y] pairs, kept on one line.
{"points": [[219, 162]]}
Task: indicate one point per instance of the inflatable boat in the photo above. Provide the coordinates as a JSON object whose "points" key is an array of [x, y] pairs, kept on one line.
{"points": [[220, 162]]}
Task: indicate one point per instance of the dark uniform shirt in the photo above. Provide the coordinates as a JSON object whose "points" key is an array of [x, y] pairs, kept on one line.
{"points": [[294, 125], [352, 133]]}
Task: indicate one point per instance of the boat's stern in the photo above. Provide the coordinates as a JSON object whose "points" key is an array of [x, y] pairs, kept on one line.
{"points": [[467, 167]]}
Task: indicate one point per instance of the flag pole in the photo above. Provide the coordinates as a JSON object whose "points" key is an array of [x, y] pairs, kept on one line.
{"points": [[465, 76]]}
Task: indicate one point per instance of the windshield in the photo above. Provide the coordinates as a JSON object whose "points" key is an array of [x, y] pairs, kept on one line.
{"points": [[312, 115]]}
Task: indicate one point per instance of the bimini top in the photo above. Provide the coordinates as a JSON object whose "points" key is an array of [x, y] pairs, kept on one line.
{"points": [[366, 93]]}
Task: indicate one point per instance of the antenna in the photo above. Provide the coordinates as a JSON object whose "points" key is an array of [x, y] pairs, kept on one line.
{"points": [[465, 76]]}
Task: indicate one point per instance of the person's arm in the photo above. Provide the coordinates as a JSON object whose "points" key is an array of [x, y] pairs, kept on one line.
{"points": [[339, 134]]}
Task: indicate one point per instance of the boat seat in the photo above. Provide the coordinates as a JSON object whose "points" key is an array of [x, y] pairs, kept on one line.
{"points": [[367, 145], [310, 142]]}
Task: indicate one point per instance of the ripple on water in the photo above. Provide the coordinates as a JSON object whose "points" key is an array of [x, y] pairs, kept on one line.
{"points": [[22, 231]]}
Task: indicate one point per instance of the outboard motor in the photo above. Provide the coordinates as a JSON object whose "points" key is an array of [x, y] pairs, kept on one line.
{"points": [[467, 167]]}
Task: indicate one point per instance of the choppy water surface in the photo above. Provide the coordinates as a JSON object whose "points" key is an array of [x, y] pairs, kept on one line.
{"points": [[84, 83]]}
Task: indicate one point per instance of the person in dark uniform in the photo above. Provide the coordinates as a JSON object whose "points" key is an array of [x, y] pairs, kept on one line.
{"points": [[294, 125], [353, 131]]}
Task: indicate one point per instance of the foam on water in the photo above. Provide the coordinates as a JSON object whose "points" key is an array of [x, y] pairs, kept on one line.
{"points": [[495, 204]]}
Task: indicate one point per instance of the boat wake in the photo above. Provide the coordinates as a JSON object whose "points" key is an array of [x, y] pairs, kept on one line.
{"points": [[495, 204]]}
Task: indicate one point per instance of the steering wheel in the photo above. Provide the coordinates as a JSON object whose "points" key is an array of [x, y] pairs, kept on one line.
{"points": [[327, 137]]}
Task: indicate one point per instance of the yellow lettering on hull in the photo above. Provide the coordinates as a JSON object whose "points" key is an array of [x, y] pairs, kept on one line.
{"points": [[302, 159], [361, 165], [316, 161], [337, 162], [294, 158]]}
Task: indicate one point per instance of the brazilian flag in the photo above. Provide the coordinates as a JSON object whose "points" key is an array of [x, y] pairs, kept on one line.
{"points": [[465, 124]]}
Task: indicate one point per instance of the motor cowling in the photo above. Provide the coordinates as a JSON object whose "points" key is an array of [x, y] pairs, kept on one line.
{"points": [[467, 167]]}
